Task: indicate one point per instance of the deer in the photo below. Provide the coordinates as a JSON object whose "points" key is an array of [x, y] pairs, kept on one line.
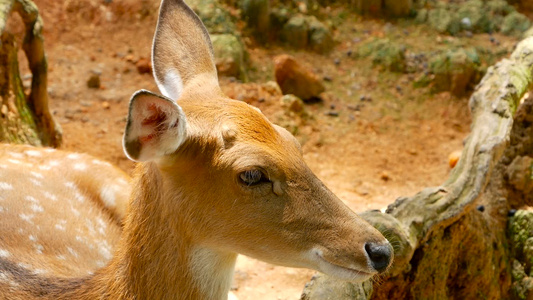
{"points": [[214, 178]]}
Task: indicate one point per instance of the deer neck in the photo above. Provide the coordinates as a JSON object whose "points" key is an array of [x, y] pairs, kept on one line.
{"points": [[154, 261]]}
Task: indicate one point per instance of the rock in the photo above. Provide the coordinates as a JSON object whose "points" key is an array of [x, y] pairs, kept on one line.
{"points": [[272, 87], [320, 38], [302, 32], [515, 23], [144, 66], [323, 287], [454, 70], [94, 81], [214, 16], [292, 102], [519, 174], [385, 53], [229, 56], [397, 8], [296, 32], [257, 14], [293, 78]]}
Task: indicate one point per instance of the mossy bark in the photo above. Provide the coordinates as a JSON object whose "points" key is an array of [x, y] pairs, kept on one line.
{"points": [[25, 119], [450, 241]]}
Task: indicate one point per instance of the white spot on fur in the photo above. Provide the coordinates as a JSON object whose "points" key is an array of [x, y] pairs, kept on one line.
{"points": [[70, 184], [3, 277], [33, 153], [27, 218], [37, 208], [105, 250], [72, 252], [14, 161], [50, 196], [39, 248], [80, 166], [32, 238], [39, 271], [16, 155], [79, 197], [100, 264], [2, 209], [75, 211], [4, 253], [35, 182], [5, 186], [107, 194], [3, 167], [31, 199], [54, 163], [36, 175], [101, 163], [61, 257], [61, 225], [73, 156], [45, 168], [49, 150], [122, 181]]}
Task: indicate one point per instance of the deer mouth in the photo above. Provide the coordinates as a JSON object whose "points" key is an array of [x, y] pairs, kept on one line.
{"points": [[341, 272]]}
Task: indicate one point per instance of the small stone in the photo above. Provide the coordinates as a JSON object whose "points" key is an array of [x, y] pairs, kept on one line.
{"points": [[384, 176], [130, 58], [337, 61], [332, 106], [144, 66], [293, 78], [511, 212], [327, 78], [349, 53], [106, 105], [332, 113], [480, 208], [94, 81]]}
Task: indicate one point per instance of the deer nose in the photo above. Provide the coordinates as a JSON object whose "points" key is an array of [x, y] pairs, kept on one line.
{"points": [[380, 255]]}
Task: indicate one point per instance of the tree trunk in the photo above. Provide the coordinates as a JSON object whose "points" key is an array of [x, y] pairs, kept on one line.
{"points": [[25, 119], [451, 241]]}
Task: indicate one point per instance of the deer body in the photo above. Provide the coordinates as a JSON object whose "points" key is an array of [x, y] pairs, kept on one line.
{"points": [[215, 178]]}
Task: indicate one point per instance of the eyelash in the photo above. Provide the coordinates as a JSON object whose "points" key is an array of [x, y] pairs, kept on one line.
{"points": [[253, 177]]}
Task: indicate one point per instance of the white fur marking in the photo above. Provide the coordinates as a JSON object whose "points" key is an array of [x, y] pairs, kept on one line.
{"points": [[36, 175], [37, 208], [71, 251], [80, 166], [5, 186], [172, 85], [33, 153], [107, 194], [73, 156], [35, 182], [27, 218], [50, 196], [31, 199], [16, 155], [101, 163], [4, 253]]}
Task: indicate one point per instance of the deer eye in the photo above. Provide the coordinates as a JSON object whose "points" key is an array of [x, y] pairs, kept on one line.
{"points": [[253, 177]]}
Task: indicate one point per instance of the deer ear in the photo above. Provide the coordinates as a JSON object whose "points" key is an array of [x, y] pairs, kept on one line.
{"points": [[156, 127], [182, 53]]}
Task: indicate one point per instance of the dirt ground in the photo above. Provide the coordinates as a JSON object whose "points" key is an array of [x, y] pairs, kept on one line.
{"points": [[394, 146]]}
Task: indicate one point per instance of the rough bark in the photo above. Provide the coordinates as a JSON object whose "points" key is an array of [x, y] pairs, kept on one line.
{"points": [[450, 241], [25, 119]]}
